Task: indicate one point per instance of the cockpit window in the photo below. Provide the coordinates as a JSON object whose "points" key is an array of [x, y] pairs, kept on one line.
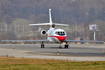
{"points": [[60, 33]]}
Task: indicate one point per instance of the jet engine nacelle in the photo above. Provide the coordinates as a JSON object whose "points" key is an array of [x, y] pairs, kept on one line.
{"points": [[43, 32]]}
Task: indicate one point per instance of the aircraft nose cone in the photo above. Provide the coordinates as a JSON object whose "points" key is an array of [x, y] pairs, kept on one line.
{"points": [[61, 38]]}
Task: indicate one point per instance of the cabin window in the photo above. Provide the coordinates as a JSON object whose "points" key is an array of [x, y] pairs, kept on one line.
{"points": [[60, 33]]}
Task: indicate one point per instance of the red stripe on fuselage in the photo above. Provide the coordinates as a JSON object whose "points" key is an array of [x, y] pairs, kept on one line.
{"points": [[60, 38]]}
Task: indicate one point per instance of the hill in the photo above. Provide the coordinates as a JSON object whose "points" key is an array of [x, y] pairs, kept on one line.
{"points": [[72, 12]]}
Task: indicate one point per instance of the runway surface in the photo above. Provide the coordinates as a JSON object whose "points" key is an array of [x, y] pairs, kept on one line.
{"points": [[51, 51]]}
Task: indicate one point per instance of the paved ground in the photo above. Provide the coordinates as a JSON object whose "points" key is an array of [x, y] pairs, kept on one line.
{"points": [[73, 53]]}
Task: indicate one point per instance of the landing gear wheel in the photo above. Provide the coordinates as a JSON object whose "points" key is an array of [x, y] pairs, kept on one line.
{"points": [[42, 45], [66, 46]]}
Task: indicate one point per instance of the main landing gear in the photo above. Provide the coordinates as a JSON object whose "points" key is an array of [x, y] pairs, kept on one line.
{"points": [[42, 45], [66, 45]]}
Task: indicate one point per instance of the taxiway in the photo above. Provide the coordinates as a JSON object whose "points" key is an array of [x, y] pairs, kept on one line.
{"points": [[75, 52]]}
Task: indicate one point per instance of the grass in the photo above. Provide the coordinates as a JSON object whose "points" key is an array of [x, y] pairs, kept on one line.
{"points": [[12, 63]]}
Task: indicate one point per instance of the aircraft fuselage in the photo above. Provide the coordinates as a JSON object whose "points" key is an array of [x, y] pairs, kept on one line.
{"points": [[56, 35]]}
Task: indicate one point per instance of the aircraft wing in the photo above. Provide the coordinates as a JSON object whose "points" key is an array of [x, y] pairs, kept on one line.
{"points": [[83, 41], [39, 24], [44, 40]]}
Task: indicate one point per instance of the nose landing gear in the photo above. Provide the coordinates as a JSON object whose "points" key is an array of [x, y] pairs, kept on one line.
{"points": [[65, 46], [60, 46]]}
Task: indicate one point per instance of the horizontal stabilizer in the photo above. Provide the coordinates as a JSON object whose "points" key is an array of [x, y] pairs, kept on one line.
{"points": [[39, 24], [60, 24], [48, 24]]}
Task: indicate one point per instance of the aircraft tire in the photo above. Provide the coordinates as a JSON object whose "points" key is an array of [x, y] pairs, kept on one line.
{"points": [[66, 46], [42, 45]]}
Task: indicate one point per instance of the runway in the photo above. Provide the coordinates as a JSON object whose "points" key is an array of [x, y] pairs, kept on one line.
{"points": [[51, 51]]}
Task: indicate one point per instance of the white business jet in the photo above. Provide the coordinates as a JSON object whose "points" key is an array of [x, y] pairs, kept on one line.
{"points": [[54, 35]]}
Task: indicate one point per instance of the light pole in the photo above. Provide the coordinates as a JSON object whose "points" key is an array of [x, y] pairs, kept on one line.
{"points": [[94, 35]]}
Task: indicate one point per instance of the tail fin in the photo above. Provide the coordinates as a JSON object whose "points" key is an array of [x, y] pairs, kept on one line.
{"points": [[50, 22], [50, 18]]}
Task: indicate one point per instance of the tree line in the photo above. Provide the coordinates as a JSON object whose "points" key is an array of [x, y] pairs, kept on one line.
{"points": [[63, 11]]}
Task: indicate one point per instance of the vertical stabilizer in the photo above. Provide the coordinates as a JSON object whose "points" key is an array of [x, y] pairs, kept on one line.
{"points": [[50, 18]]}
